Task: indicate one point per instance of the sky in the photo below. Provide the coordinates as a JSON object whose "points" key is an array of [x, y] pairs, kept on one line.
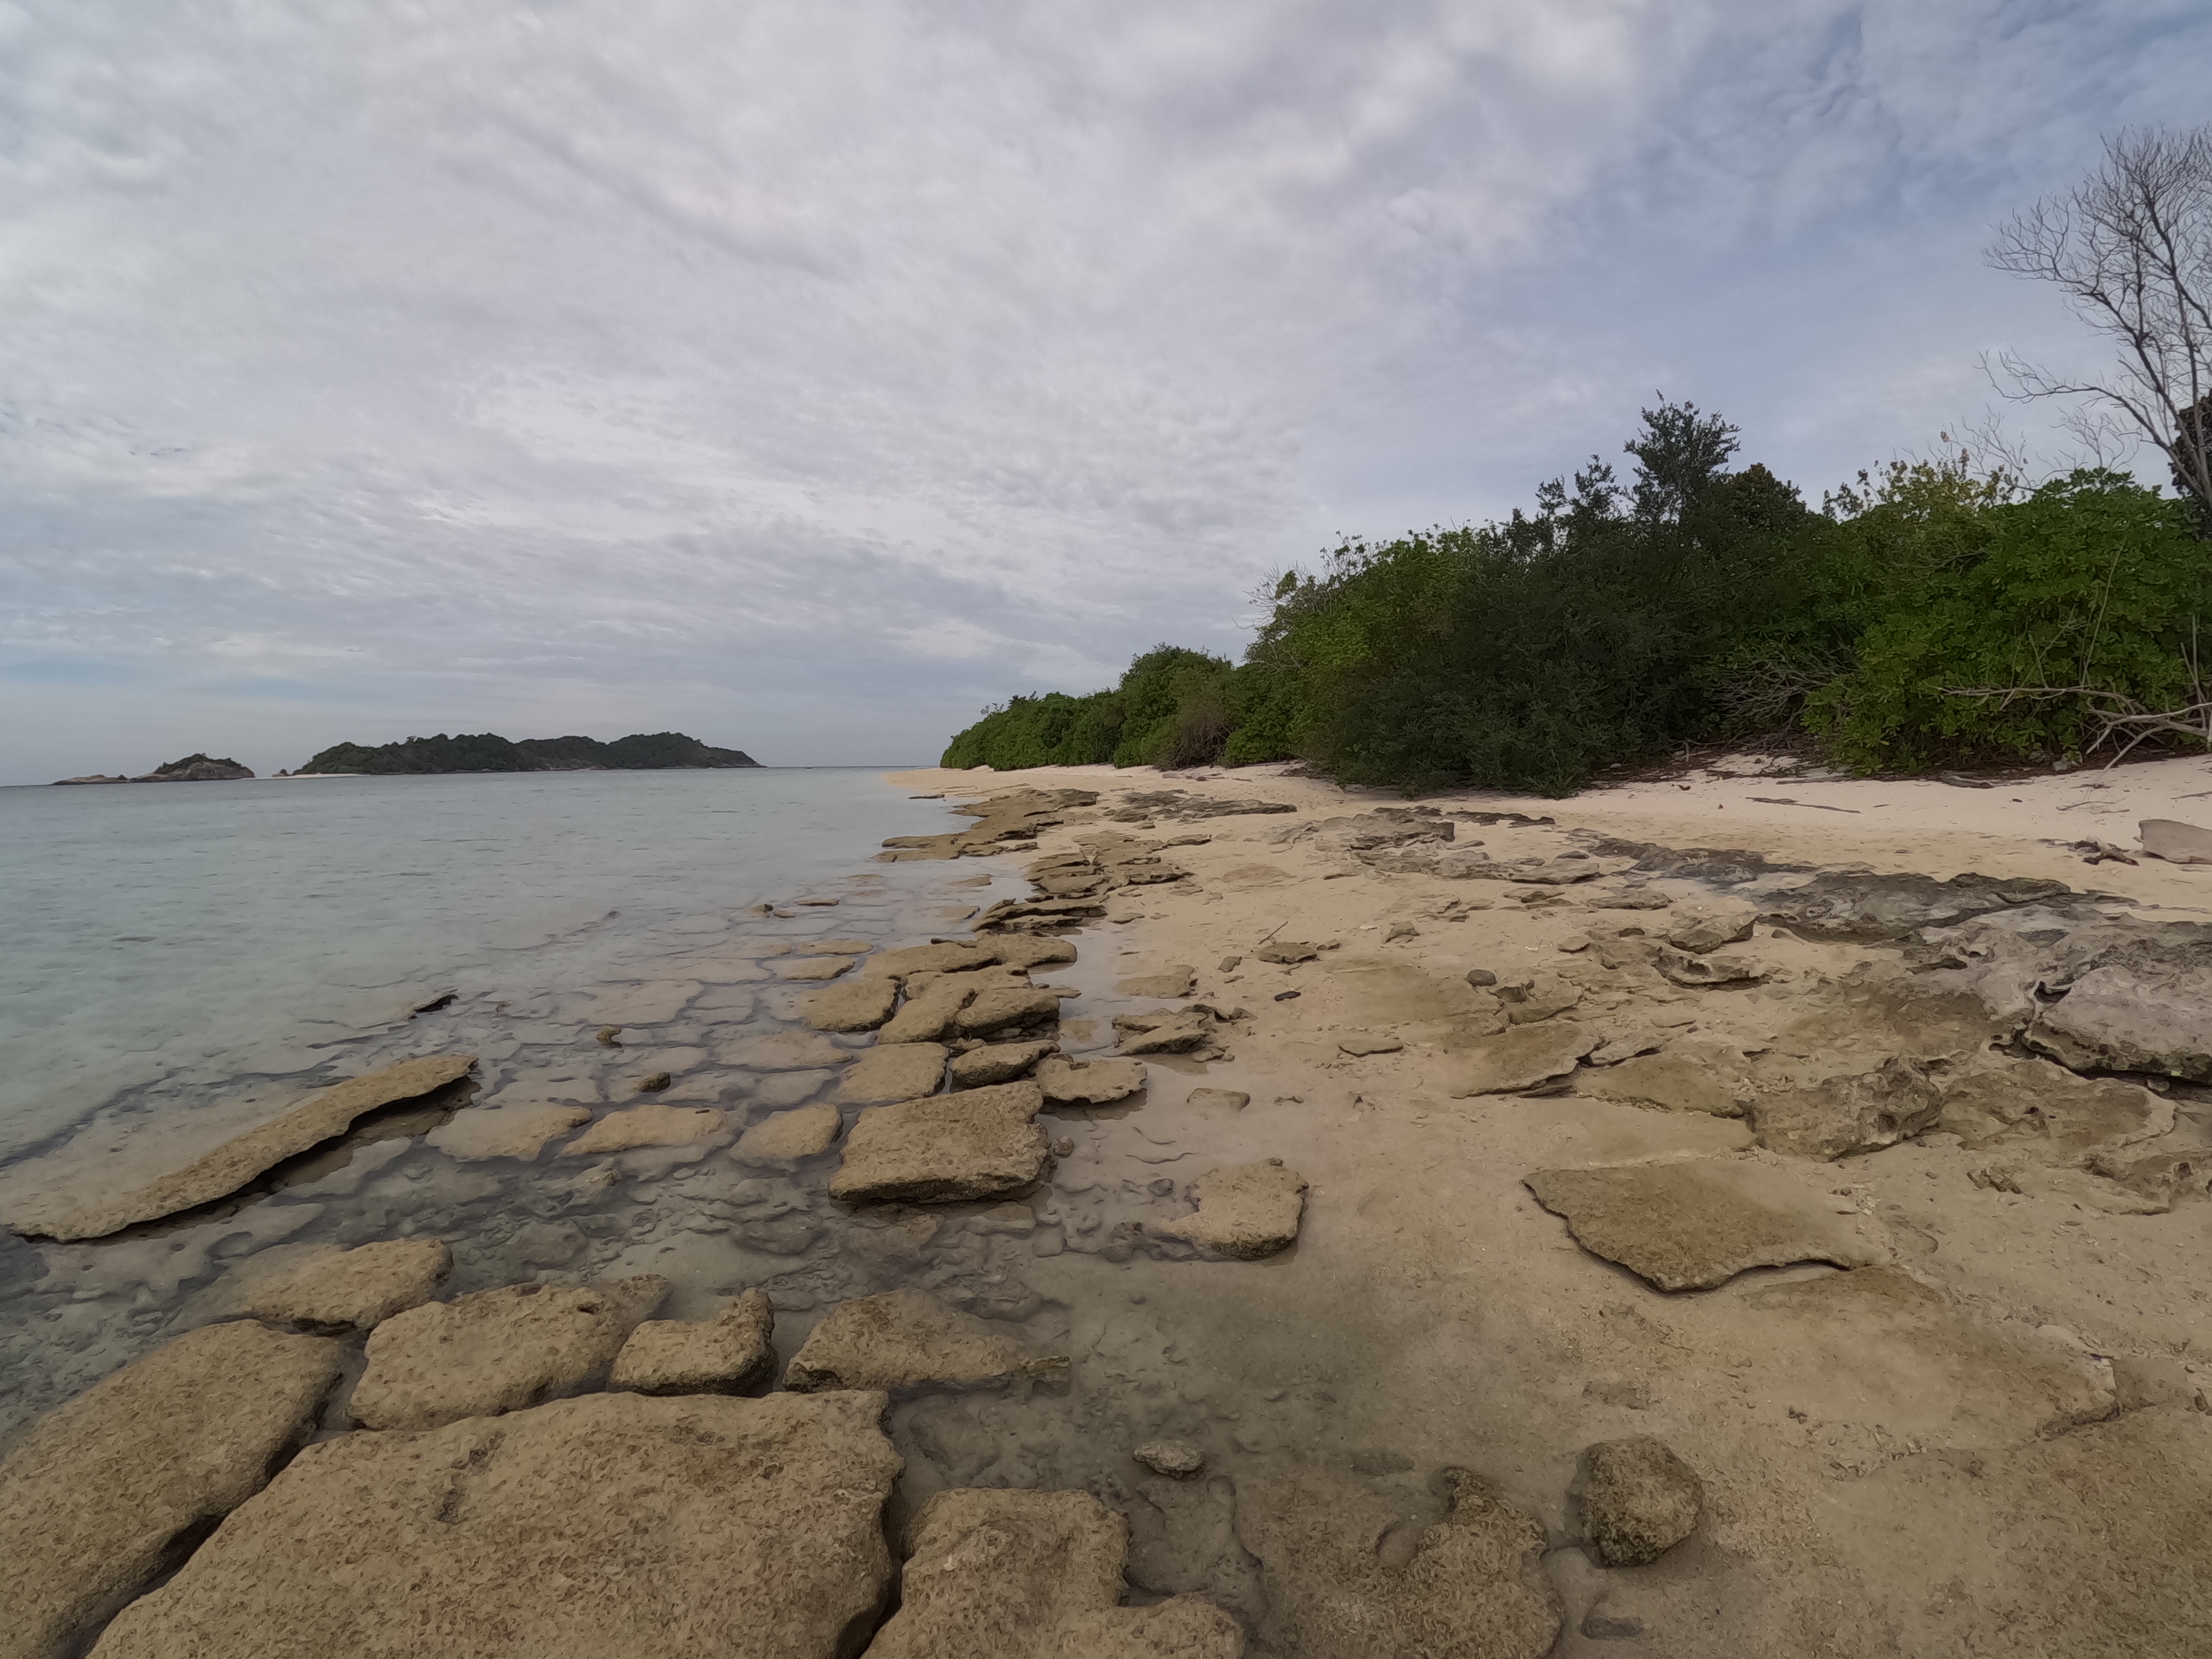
{"points": [[806, 377]]}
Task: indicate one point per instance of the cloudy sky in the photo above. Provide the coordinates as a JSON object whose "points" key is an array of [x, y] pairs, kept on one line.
{"points": [[804, 376]]}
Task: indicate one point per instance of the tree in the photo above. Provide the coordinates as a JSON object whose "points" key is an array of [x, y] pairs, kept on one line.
{"points": [[2130, 247]]}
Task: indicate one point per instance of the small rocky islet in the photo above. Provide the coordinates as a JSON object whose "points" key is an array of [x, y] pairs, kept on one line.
{"points": [[485, 751], [1656, 1201]]}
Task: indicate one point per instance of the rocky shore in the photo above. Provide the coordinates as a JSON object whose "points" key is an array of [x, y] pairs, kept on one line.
{"points": [[1278, 1223]]}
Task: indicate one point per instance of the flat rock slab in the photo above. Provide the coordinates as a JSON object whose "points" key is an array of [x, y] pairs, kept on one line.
{"points": [[1067, 1082], [1169, 983], [108, 1491], [1031, 950], [937, 958], [1247, 1211], [1685, 1080], [999, 1008], [2113, 1020], [240, 1160], [1691, 1226], [910, 1341], [731, 1353], [859, 1005], [1218, 1100], [1472, 1589], [619, 1524], [784, 1138], [477, 1133], [1518, 1058], [350, 1290], [999, 1574], [496, 1351], [978, 1143], [1357, 1046], [2175, 842], [2034, 1103], [1841, 1115], [656, 1125], [1700, 927], [997, 1062], [928, 1013], [786, 1051], [810, 967], [1169, 1034], [892, 1071]]}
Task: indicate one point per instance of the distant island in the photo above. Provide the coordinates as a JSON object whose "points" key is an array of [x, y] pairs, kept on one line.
{"points": [[193, 769], [487, 751]]}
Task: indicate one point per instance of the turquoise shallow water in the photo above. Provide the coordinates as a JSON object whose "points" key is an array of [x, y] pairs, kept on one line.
{"points": [[187, 934]]}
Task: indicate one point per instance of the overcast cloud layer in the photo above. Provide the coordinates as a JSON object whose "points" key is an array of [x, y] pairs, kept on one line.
{"points": [[804, 376]]}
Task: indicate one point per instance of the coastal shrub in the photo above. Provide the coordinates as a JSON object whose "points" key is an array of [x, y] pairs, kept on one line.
{"points": [[1052, 729], [2092, 582]]}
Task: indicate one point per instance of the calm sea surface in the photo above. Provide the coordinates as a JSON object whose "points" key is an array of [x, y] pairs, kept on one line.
{"points": [[188, 934]]}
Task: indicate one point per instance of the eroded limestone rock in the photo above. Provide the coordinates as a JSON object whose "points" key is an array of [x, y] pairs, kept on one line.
{"points": [[520, 1132], [908, 1341], [784, 1138], [1247, 1211], [497, 1350], [996, 1062], [731, 1353], [1700, 927], [859, 1005], [892, 1071], [615, 1524], [1036, 1575], [1163, 1034], [1840, 1116], [2175, 842], [1073, 1082], [2113, 1019], [1004, 1008], [928, 1013], [1693, 1225], [1692, 1077], [2031, 1105], [85, 1212], [1170, 982], [1520, 1058], [810, 967], [1633, 1500], [108, 1490], [351, 1290], [976, 1143], [657, 1125], [786, 1051]]}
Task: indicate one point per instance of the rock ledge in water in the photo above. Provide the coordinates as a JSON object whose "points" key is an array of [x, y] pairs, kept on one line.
{"points": [[731, 1353], [1634, 1500], [352, 1290], [1247, 1211], [908, 1340], [980, 1143]]}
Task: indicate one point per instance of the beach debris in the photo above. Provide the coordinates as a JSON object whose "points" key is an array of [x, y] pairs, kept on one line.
{"points": [[1229, 964], [1368, 1045], [1179, 1459], [1288, 996], [1523, 1057], [657, 1125], [784, 1139], [859, 1005], [90, 1212], [1471, 1584], [1710, 1078], [2115, 1020], [1481, 978], [497, 1350], [653, 1083], [475, 1530], [1693, 1225], [997, 1062], [607, 1033], [815, 903], [976, 1143], [337, 1289], [910, 1341], [1246, 1210], [893, 1071], [95, 1499], [1069, 1082], [477, 1133], [2175, 842], [1633, 1499], [1170, 982], [999, 1574], [732, 1352]]}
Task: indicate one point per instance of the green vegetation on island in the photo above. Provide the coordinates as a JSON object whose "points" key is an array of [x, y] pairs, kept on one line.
{"points": [[487, 751], [1933, 612]]}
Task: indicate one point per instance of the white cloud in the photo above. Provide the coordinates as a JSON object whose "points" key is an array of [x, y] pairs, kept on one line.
{"points": [[824, 373]]}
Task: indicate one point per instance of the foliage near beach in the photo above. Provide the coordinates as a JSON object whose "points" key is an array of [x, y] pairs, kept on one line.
{"points": [[1927, 614]]}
